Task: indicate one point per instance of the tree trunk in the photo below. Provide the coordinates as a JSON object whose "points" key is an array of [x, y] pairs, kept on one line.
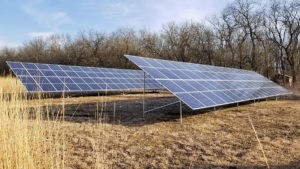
{"points": [[294, 75]]}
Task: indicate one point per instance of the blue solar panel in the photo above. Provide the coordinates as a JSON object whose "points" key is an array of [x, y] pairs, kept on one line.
{"points": [[200, 86], [59, 78]]}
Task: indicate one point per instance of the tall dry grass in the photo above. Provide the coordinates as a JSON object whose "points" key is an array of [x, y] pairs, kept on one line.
{"points": [[27, 138], [9, 84]]}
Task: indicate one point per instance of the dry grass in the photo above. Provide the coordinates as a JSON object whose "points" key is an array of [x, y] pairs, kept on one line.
{"points": [[9, 84], [220, 139], [27, 140]]}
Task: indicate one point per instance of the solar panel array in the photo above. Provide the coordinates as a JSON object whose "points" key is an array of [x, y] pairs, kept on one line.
{"points": [[200, 86], [59, 78]]}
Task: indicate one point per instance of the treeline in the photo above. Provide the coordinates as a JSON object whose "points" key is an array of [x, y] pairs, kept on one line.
{"points": [[247, 35]]}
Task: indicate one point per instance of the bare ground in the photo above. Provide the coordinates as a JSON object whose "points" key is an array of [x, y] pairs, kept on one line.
{"points": [[99, 137]]}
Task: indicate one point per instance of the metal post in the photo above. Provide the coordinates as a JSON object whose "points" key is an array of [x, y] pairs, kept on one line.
{"points": [[180, 107], [63, 111], [97, 109], [114, 110], [215, 108], [105, 98], [105, 89], [276, 98], [144, 95]]}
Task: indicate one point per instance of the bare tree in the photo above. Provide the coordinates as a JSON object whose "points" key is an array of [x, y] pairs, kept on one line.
{"points": [[243, 36], [151, 44], [34, 50], [249, 19], [188, 42], [225, 30], [283, 27]]}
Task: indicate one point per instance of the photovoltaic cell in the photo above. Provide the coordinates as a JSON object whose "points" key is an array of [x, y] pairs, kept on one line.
{"points": [[200, 86], [59, 78]]}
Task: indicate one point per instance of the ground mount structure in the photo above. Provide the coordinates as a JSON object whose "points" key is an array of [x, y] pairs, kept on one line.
{"points": [[201, 86], [198, 86]]}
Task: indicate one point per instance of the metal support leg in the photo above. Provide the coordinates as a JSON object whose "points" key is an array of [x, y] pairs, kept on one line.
{"points": [[114, 110], [144, 95], [276, 98], [180, 107], [106, 88]]}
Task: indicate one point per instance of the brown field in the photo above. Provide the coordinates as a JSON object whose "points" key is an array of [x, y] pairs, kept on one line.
{"points": [[88, 132]]}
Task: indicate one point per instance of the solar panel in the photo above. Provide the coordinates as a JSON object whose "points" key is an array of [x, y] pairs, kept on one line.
{"points": [[59, 78], [200, 86]]}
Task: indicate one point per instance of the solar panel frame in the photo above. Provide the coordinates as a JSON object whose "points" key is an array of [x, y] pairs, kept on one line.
{"points": [[219, 85], [51, 78]]}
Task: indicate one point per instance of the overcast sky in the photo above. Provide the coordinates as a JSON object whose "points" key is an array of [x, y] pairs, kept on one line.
{"points": [[22, 20]]}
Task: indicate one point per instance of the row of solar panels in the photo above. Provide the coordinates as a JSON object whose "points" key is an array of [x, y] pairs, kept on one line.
{"points": [[201, 86], [198, 86], [58, 78]]}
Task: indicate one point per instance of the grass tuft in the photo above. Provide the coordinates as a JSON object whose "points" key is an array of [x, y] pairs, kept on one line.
{"points": [[27, 140]]}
